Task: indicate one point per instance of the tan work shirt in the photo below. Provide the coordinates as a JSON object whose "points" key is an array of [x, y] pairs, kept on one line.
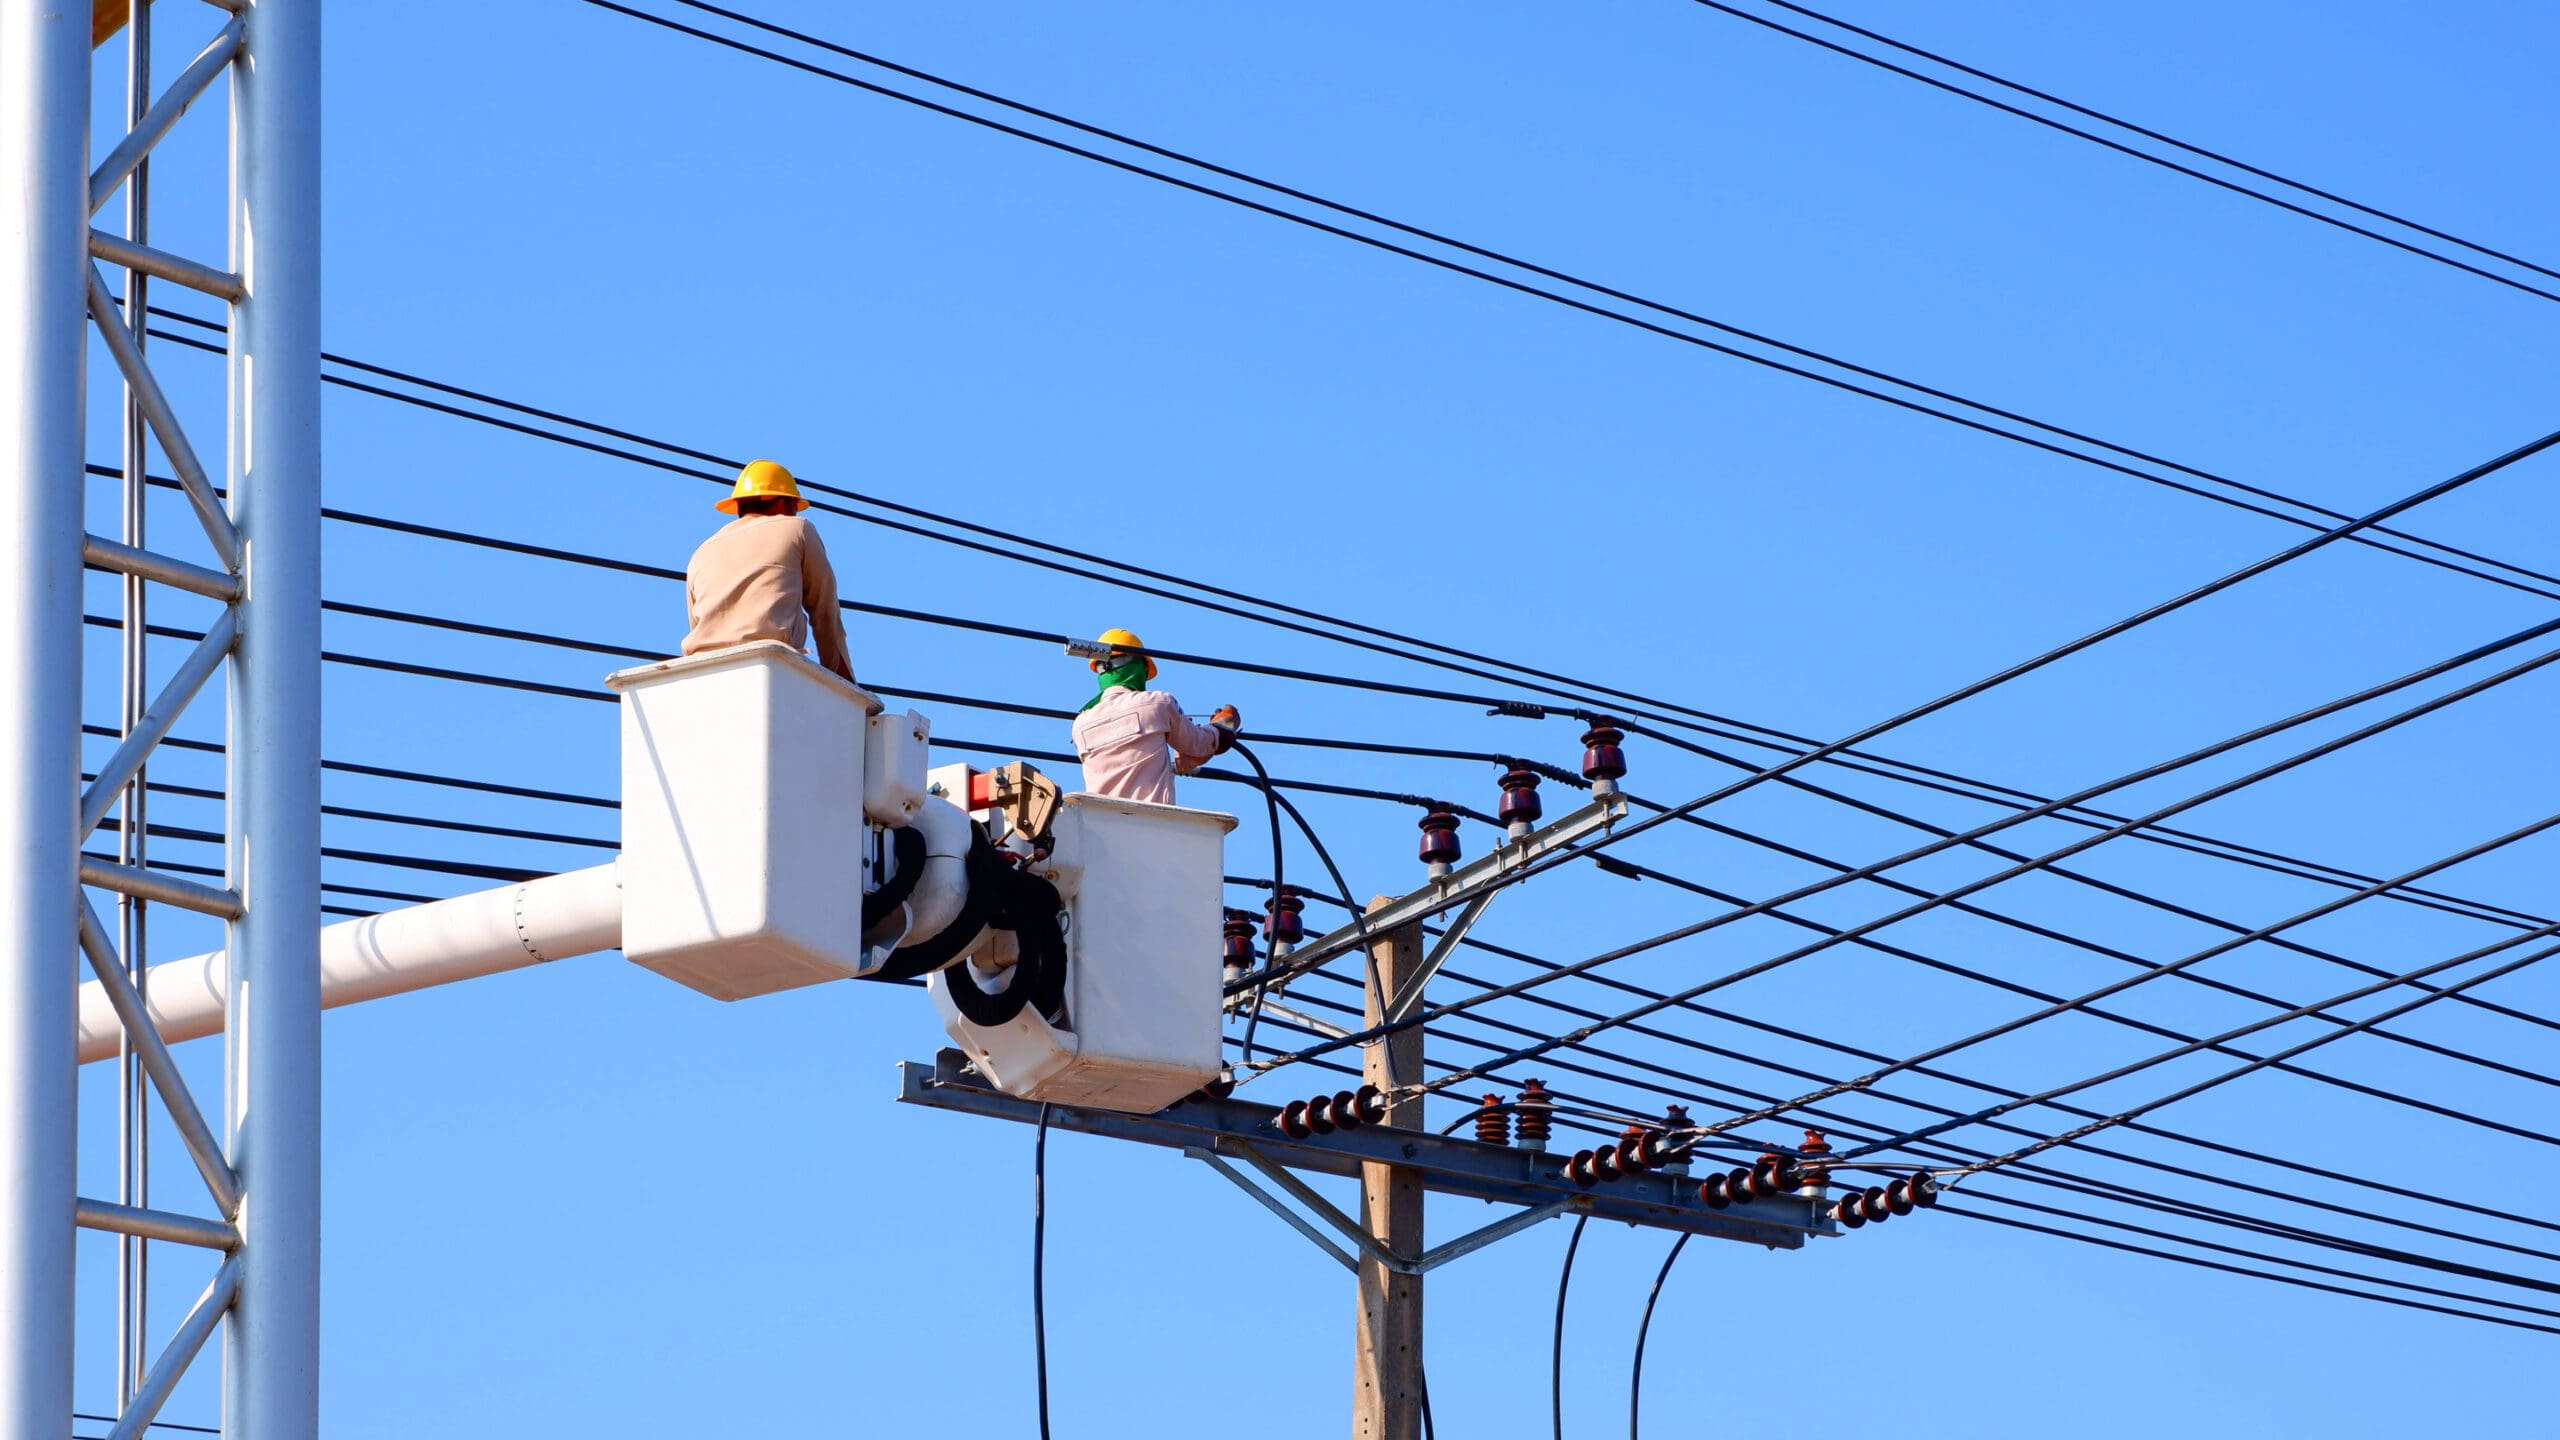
{"points": [[764, 577], [1132, 743]]}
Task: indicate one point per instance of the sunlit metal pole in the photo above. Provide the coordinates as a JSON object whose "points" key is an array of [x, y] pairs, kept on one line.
{"points": [[272, 1357], [44, 228], [133, 1253]]}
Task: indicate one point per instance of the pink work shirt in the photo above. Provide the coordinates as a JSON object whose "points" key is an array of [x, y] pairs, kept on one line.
{"points": [[1132, 743]]}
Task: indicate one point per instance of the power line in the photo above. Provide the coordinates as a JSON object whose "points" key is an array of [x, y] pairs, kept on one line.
{"points": [[1526, 266], [2139, 154]]}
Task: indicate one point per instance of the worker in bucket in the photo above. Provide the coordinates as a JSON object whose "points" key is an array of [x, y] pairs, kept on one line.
{"points": [[764, 575], [1133, 740]]}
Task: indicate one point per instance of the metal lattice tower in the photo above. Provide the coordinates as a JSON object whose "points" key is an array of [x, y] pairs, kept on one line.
{"points": [[258, 1155]]}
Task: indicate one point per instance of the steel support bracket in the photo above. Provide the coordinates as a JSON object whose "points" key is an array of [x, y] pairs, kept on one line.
{"points": [[1240, 1130], [1482, 876]]}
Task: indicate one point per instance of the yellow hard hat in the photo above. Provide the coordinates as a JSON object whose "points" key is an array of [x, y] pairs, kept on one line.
{"points": [[762, 478], [1123, 640]]}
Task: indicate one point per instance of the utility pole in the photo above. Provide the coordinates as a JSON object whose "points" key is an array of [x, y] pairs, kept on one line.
{"points": [[1387, 1358]]}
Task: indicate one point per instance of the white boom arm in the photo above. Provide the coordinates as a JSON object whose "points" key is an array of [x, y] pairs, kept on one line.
{"points": [[551, 918]]}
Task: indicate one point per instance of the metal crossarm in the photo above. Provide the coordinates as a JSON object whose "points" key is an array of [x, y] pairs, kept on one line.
{"points": [[130, 255], [1447, 1165], [117, 1219], [1477, 877]]}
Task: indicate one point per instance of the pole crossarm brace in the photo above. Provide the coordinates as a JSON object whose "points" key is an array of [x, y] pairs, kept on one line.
{"points": [[1325, 1028], [152, 885], [154, 1224], [164, 422], [190, 1337], [138, 743], [219, 1178], [184, 91], [1408, 996], [123, 559], [1358, 1234], [1483, 876], [127, 255], [1447, 1165]]}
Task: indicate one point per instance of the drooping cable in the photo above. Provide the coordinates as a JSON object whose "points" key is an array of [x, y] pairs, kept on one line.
{"points": [[1555, 1369], [1039, 1264], [1644, 1327]]}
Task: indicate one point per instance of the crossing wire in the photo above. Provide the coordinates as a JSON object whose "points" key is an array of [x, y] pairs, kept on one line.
{"points": [[1902, 771], [1529, 267], [2138, 153]]}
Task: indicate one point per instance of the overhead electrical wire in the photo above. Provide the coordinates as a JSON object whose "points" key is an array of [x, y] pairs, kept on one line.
{"points": [[2137, 152], [1644, 1328], [1970, 887], [1506, 282], [1902, 771]]}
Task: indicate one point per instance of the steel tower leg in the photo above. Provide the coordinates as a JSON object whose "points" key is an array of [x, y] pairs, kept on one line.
{"points": [[271, 1379], [44, 227]]}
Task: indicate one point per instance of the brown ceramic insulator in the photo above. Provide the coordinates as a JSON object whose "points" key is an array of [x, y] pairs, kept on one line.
{"points": [[1871, 1205], [1320, 1115], [1536, 1121], [1493, 1122], [1370, 1104], [1814, 1144], [1711, 1193], [1847, 1213], [1578, 1169], [1634, 1157], [1897, 1197], [1675, 1117], [1293, 1120], [1346, 1110], [1924, 1190], [1737, 1185], [1789, 1175], [1764, 1175]]}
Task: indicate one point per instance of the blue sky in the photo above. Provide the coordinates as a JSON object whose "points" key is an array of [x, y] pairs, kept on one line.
{"points": [[582, 1199]]}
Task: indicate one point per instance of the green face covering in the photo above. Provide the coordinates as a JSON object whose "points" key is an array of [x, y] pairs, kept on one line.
{"points": [[1131, 676]]}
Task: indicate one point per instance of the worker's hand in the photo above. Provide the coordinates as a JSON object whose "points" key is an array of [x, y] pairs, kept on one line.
{"points": [[1228, 724]]}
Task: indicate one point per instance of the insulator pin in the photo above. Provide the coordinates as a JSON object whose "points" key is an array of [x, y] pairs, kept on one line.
{"points": [[1282, 921], [1536, 1115], [1520, 807], [1440, 842], [1603, 763]]}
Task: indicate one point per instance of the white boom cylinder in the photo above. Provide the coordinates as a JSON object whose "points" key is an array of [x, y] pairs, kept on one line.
{"points": [[483, 933]]}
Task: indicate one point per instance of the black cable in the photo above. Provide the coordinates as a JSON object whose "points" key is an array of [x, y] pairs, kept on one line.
{"points": [[1279, 886], [1564, 1278], [2065, 852], [2123, 149], [1644, 1326], [1039, 1255], [1903, 770], [1501, 707], [1481, 252]]}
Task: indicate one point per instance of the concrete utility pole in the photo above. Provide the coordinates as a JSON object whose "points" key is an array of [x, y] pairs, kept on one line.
{"points": [[1387, 1358]]}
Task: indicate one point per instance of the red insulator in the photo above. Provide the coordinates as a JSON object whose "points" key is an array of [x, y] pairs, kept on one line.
{"points": [[1789, 1176], [1871, 1205], [1493, 1122], [1238, 930], [1439, 838], [1536, 1115], [1639, 1149], [1737, 1186], [1765, 1174], [1520, 804], [1220, 1088], [1578, 1169], [1675, 1117], [1711, 1193], [1320, 1115], [1924, 1189], [1282, 924], [1293, 1120], [1814, 1145], [1897, 1197], [1846, 1212], [1369, 1105], [1604, 1163], [1601, 757], [1345, 1110]]}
